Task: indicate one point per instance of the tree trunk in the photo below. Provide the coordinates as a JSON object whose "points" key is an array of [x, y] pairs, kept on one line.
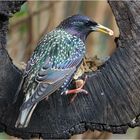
{"points": [[114, 90]]}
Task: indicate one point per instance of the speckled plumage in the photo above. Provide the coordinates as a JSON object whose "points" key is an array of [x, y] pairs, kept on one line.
{"points": [[54, 63], [59, 54], [63, 50]]}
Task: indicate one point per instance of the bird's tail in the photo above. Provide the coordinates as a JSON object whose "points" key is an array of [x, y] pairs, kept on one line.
{"points": [[24, 117]]}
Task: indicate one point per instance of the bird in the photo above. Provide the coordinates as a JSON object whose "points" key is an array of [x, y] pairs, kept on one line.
{"points": [[54, 63]]}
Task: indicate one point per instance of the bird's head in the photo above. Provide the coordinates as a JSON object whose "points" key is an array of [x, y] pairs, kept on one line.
{"points": [[81, 26]]}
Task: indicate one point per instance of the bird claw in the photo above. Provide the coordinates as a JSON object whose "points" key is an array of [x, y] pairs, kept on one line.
{"points": [[82, 90], [79, 89], [75, 91], [75, 95]]}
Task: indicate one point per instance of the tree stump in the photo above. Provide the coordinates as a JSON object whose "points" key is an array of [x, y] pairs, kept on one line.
{"points": [[114, 90]]}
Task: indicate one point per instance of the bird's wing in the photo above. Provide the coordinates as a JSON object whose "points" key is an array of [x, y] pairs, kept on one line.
{"points": [[50, 79], [54, 61], [36, 55]]}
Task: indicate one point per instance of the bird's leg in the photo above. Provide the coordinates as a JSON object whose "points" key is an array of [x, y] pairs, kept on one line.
{"points": [[79, 85]]}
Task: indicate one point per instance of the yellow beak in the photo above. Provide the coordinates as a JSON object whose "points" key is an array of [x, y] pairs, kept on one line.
{"points": [[103, 29]]}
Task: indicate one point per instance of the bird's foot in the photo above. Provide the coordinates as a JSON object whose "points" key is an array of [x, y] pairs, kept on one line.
{"points": [[75, 95], [75, 91], [79, 89]]}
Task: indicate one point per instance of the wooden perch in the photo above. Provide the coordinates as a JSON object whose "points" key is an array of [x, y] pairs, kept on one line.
{"points": [[113, 103]]}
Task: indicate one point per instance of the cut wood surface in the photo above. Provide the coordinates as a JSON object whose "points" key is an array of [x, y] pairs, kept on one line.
{"points": [[114, 90]]}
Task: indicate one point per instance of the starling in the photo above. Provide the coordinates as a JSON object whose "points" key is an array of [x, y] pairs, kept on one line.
{"points": [[54, 62]]}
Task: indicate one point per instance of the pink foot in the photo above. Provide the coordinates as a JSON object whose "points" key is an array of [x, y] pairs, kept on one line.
{"points": [[79, 89]]}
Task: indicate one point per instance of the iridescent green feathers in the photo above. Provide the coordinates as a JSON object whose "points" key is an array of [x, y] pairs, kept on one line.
{"points": [[53, 63], [56, 57]]}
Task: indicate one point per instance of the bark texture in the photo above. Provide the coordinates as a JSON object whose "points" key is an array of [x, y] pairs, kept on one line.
{"points": [[114, 90]]}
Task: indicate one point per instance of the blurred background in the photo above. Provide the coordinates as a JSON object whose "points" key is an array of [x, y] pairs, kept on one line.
{"points": [[36, 18]]}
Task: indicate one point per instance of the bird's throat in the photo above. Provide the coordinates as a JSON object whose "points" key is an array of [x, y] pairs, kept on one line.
{"points": [[82, 34]]}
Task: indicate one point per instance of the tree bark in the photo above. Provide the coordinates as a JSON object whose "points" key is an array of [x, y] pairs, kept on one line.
{"points": [[10, 76], [114, 90]]}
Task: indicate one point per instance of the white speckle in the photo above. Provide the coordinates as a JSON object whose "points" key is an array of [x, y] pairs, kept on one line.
{"points": [[134, 121], [102, 93]]}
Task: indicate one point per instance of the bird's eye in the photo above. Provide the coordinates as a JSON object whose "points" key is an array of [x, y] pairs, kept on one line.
{"points": [[89, 23], [93, 23]]}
